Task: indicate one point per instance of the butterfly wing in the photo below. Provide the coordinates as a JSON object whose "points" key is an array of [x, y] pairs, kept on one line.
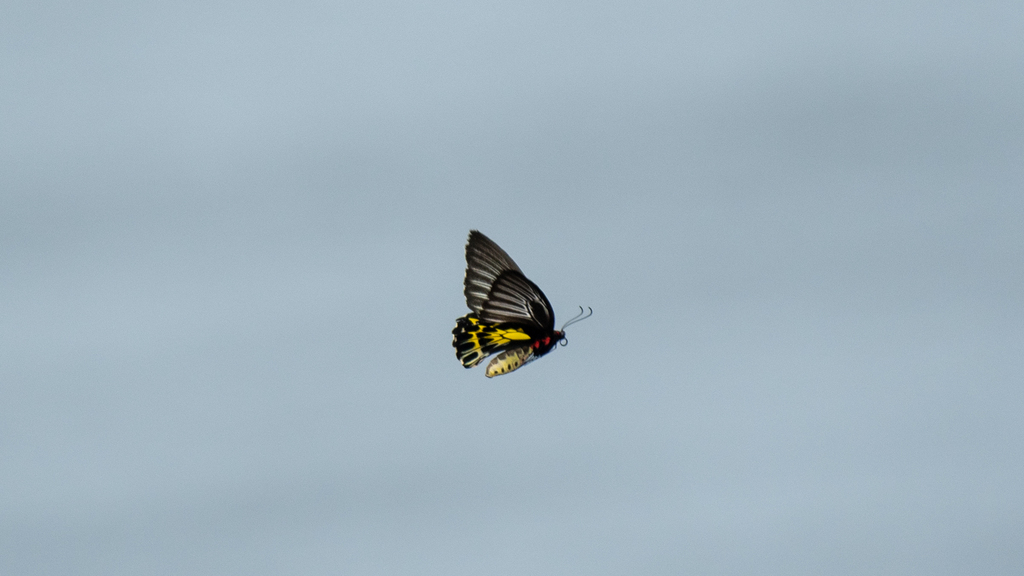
{"points": [[474, 341], [485, 261], [497, 290], [514, 298]]}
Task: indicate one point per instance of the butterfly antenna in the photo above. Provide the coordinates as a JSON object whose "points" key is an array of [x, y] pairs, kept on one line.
{"points": [[578, 318]]}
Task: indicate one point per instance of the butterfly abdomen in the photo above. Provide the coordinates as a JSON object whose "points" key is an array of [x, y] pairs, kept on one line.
{"points": [[509, 360]]}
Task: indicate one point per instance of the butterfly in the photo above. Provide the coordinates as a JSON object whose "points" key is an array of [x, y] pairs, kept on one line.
{"points": [[511, 316]]}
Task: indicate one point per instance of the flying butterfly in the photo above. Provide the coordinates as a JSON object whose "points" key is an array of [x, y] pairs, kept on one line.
{"points": [[511, 316]]}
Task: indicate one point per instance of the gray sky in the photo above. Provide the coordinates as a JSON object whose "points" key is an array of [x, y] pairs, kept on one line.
{"points": [[231, 255]]}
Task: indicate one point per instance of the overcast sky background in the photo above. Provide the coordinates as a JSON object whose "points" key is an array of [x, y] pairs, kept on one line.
{"points": [[231, 256]]}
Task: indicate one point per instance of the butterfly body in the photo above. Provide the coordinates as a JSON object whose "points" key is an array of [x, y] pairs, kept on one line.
{"points": [[511, 316]]}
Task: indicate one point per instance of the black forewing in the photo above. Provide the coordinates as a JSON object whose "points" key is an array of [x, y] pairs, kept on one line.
{"points": [[514, 298], [485, 262]]}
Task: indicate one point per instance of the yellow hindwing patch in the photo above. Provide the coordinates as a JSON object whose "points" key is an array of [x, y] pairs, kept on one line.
{"points": [[475, 340]]}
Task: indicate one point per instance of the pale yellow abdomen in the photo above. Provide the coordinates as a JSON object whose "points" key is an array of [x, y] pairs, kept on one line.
{"points": [[508, 361]]}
